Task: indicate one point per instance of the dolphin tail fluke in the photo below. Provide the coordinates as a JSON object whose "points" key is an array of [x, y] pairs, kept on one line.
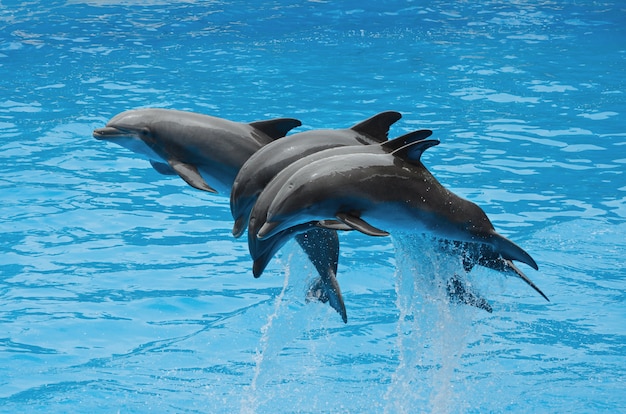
{"points": [[489, 256], [510, 266], [460, 292], [377, 127], [327, 290], [322, 248], [512, 251], [276, 128]]}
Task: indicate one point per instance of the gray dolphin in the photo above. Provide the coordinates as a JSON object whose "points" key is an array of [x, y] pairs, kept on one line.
{"points": [[264, 164], [379, 193], [262, 250], [320, 244], [199, 148]]}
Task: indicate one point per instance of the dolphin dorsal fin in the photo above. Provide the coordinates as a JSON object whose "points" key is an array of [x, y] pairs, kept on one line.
{"points": [[414, 150], [377, 127], [276, 128], [401, 141]]}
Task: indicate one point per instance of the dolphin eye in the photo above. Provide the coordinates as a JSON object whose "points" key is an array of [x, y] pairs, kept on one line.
{"points": [[144, 132]]}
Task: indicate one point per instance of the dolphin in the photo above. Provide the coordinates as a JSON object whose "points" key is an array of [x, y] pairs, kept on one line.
{"points": [[320, 244], [264, 164], [378, 193], [205, 151], [262, 250]]}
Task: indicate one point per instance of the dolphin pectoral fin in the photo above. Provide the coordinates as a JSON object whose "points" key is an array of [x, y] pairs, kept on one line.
{"points": [[512, 268], [460, 292], [162, 168], [276, 128], [377, 126], [361, 225], [327, 290], [333, 225], [190, 174]]}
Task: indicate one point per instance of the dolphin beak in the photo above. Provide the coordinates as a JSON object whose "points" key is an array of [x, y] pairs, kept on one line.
{"points": [[108, 133], [239, 226]]}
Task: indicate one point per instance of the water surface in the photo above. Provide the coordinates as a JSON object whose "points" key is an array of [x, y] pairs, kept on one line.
{"points": [[123, 290]]}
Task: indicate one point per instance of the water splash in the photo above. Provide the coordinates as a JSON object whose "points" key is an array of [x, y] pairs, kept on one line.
{"points": [[250, 403], [431, 330], [284, 325]]}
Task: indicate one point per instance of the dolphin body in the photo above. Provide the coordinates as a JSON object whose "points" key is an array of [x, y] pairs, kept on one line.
{"points": [[262, 250], [376, 193], [264, 164], [205, 151], [320, 244]]}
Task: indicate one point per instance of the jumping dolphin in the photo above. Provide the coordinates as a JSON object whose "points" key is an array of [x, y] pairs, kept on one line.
{"points": [[264, 164], [381, 193], [320, 244], [205, 151], [262, 250]]}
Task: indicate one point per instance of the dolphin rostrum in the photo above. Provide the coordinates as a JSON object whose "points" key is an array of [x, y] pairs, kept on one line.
{"points": [[205, 151], [378, 193]]}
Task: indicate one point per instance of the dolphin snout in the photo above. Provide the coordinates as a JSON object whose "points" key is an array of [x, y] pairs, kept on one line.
{"points": [[240, 226], [107, 132]]}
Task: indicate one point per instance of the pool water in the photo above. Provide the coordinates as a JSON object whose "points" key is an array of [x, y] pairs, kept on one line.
{"points": [[122, 290]]}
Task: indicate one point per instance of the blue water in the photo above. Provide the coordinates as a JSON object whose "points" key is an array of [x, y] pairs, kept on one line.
{"points": [[122, 290]]}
